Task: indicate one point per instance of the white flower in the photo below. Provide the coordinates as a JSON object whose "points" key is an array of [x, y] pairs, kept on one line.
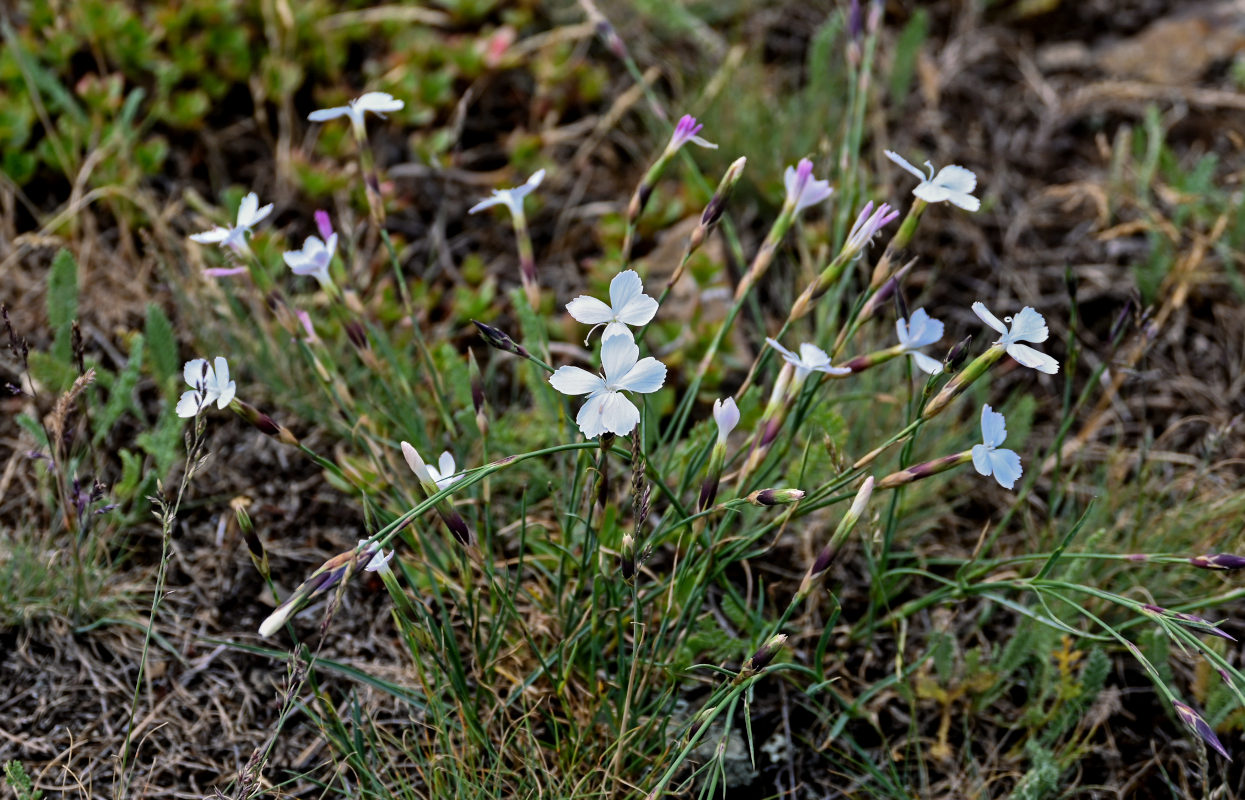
{"points": [[811, 359], [443, 474], [313, 259], [629, 305], [726, 415], [953, 183], [380, 559], [208, 386], [379, 103], [249, 215], [1004, 465], [868, 224], [918, 331], [1027, 326], [803, 190], [511, 198], [607, 409]]}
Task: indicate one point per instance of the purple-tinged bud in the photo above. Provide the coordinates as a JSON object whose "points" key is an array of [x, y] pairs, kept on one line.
{"points": [[901, 305], [1221, 561], [885, 291], [924, 470], [855, 20], [457, 525], [263, 423], [1200, 726], [323, 224], [500, 340], [357, 335], [708, 491], [764, 655], [717, 204], [775, 497], [957, 354]]}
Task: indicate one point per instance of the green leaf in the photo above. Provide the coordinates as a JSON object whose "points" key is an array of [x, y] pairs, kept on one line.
{"points": [[162, 343], [63, 303], [32, 426], [906, 49], [120, 393], [54, 373]]}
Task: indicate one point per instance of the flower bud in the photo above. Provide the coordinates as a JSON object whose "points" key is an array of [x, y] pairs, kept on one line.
{"points": [[957, 354], [1220, 561], [1199, 726], [500, 340], [764, 655], [263, 423], [775, 497], [627, 567]]}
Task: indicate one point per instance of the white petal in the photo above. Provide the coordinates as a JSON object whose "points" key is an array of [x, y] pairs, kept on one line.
{"points": [[537, 177], [297, 260], [221, 372], [1034, 359], [964, 201], [589, 310], [214, 236], [189, 404], [956, 179], [985, 316], [829, 370], [646, 376], [590, 418], [247, 209], [488, 202], [726, 415], [815, 191], [573, 380], [445, 464], [981, 459], [618, 356], [435, 474], [993, 427], [617, 329], [925, 363], [638, 311], [611, 412], [931, 193], [903, 162], [1029, 326], [625, 287], [197, 372], [788, 180], [901, 332], [256, 217], [813, 356], [227, 392], [328, 113], [923, 329], [379, 102], [1006, 467], [416, 463]]}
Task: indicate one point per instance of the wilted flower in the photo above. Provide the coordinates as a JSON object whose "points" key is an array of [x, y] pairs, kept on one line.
{"points": [[726, 415], [379, 103], [803, 190], [628, 305], [1027, 326], [811, 359], [987, 459], [249, 215], [608, 410], [511, 198], [209, 385], [313, 259], [443, 474], [953, 183], [686, 132], [920, 330]]}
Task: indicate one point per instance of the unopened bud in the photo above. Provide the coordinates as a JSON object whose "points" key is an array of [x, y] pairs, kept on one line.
{"points": [[717, 204], [901, 305], [1200, 726], [1221, 561], [263, 423], [500, 340], [628, 557], [775, 497], [763, 656], [357, 335], [957, 354]]}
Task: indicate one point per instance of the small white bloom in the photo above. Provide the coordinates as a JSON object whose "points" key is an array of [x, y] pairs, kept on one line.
{"points": [[629, 305], [249, 215], [207, 386], [379, 103], [953, 183], [313, 259], [920, 330], [511, 198], [1004, 465], [607, 409], [811, 359], [443, 474], [1027, 326], [726, 415], [803, 190], [380, 559]]}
